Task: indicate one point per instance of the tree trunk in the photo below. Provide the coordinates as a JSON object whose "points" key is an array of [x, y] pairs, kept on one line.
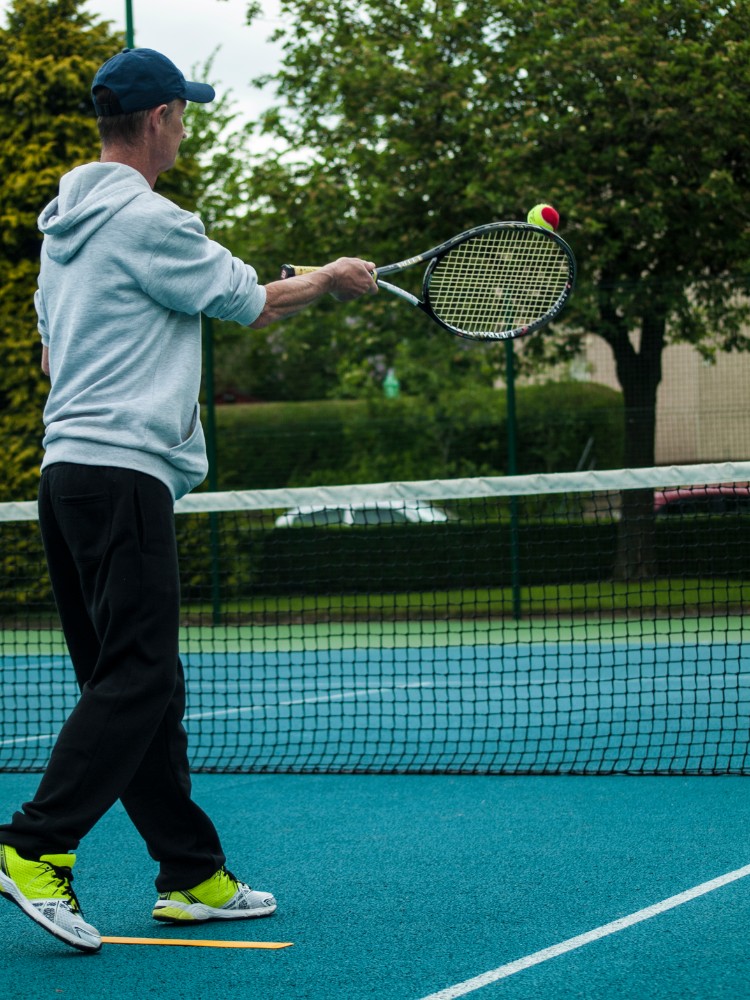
{"points": [[639, 373]]}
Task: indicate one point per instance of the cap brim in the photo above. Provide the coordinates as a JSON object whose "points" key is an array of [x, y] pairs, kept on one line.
{"points": [[201, 93]]}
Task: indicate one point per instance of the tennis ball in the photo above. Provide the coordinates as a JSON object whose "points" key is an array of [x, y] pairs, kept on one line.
{"points": [[545, 216]]}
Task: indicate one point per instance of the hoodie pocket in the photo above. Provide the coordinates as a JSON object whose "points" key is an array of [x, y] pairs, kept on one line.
{"points": [[190, 454]]}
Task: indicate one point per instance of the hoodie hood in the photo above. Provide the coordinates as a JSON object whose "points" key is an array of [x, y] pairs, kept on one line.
{"points": [[89, 196]]}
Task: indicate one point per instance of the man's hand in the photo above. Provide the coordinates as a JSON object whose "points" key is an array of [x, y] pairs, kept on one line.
{"points": [[345, 279], [352, 277]]}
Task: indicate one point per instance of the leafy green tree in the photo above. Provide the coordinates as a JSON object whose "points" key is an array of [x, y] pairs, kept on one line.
{"points": [[418, 118], [368, 180], [634, 114], [49, 51]]}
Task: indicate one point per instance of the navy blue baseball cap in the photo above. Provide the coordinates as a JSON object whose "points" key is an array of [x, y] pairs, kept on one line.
{"points": [[139, 79]]}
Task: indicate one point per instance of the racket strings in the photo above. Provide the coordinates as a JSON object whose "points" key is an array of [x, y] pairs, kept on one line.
{"points": [[499, 283]]}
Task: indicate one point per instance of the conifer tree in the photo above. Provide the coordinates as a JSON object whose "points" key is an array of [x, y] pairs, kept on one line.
{"points": [[49, 52]]}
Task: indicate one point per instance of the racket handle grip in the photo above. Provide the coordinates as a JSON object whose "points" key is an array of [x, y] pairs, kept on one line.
{"points": [[290, 270]]}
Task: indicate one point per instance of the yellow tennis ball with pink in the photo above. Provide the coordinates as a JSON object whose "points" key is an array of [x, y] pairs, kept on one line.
{"points": [[545, 216]]}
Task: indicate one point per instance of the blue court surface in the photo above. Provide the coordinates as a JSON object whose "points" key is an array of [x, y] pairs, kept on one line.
{"points": [[605, 705], [408, 887]]}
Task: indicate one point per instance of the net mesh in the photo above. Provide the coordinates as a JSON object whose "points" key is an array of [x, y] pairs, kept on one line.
{"points": [[579, 623], [500, 282]]}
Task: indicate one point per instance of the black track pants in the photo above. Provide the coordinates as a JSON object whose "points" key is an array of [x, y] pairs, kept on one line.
{"points": [[110, 543]]}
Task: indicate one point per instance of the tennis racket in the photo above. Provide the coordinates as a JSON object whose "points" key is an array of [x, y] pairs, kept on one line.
{"points": [[494, 282]]}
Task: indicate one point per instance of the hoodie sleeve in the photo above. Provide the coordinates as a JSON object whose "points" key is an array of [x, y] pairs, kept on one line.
{"points": [[189, 273], [41, 317]]}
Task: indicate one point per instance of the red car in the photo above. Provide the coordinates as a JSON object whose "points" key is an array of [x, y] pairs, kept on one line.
{"points": [[703, 500]]}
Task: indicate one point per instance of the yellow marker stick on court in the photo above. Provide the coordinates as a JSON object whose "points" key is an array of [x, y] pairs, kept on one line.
{"points": [[186, 942]]}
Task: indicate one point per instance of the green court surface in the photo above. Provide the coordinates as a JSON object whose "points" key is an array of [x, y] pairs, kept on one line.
{"points": [[293, 635], [404, 887]]}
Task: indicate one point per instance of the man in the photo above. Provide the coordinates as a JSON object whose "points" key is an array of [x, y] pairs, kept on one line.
{"points": [[125, 275]]}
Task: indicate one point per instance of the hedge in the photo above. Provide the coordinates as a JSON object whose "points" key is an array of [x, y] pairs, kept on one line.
{"points": [[440, 557], [253, 562], [269, 445]]}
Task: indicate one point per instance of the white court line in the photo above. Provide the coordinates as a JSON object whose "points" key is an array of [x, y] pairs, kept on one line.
{"points": [[241, 710], [17, 740], [311, 700], [504, 971], [318, 699]]}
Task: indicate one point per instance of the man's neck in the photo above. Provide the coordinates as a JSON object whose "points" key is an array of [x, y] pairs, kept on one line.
{"points": [[131, 157]]}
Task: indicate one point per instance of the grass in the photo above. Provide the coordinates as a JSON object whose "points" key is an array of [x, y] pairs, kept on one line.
{"points": [[661, 609], [644, 598]]}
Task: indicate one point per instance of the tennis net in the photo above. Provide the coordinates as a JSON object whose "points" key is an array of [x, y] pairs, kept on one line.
{"points": [[573, 623]]}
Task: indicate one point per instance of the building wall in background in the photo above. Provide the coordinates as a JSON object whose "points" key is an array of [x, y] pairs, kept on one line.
{"points": [[703, 410]]}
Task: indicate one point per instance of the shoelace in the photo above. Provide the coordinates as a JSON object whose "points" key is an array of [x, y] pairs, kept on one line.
{"points": [[227, 875], [61, 877]]}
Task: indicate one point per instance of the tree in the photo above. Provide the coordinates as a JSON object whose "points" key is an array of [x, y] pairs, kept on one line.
{"points": [[633, 115], [49, 52], [648, 136], [419, 119], [365, 182], [424, 118]]}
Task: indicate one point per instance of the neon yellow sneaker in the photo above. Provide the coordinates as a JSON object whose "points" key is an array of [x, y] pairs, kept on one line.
{"points": [[42, 890], [221, 897]]}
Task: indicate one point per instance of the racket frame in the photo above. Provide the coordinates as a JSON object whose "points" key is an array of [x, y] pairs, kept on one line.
{"points": [[433, 257]]}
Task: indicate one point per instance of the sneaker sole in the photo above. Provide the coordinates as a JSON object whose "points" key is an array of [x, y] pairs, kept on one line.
{"points": [[198, 913], [10, 890]]}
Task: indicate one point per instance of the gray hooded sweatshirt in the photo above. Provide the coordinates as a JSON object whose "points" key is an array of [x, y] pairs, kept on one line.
{"points": [[124, 276]]}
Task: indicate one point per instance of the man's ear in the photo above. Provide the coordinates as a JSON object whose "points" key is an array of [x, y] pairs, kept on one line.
{"points": [[156, 115]]}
